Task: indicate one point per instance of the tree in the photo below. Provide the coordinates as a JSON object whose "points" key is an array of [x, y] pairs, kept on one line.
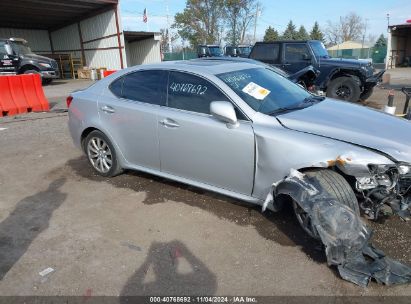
{"points": [[165, 39], [302, 34], [349, 27], [381, 42], [316, 33], [240, 16], [270, 35], [289, 33], [201, 21]]}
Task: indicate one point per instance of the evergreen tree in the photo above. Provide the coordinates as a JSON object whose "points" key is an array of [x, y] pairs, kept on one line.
{"points": [[316, 33], [302, 34], [290, 32], [381, 42], [270, 34]]}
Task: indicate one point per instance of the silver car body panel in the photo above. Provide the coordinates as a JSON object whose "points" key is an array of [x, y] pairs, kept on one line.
{"points": [[242, 162]]}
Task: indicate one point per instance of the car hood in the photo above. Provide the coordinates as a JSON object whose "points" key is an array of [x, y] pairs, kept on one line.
{"points": [[343, 62], [37, 58], [354, 124]]}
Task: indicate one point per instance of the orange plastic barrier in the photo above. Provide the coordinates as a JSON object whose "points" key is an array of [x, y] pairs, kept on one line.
{"points": [[22, 94], [108, 72]]}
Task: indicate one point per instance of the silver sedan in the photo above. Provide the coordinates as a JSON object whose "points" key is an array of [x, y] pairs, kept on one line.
{"points": [[236, 128]]}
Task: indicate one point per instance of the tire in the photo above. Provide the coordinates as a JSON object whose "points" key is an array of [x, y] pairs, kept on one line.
{"points": [[345, 88], [338, 188], [366, 94], [47, 80], [101, 154]]}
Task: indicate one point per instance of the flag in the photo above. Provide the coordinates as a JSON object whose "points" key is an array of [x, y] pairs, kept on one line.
{"points": [[145, 19]]}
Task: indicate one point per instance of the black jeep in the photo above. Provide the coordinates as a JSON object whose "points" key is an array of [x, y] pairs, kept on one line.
{"points": [[16, 57], [347, 79]]}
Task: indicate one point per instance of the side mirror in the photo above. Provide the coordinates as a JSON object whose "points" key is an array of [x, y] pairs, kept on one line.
{"points": [[224, 111], [8, 48]]}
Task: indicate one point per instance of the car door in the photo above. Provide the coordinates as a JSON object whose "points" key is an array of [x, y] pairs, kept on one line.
{"points": [[297, 56], [8, 62], [128, 111], [195, 145]]}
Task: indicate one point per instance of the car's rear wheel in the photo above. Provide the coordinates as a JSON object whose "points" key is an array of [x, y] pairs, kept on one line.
{"points": [[345, 88], [337, 187], [101, 154]]}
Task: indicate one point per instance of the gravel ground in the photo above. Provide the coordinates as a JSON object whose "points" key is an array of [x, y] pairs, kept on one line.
{"points": [[138, 234]]}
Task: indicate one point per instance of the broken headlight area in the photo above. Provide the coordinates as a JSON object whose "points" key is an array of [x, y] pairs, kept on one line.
{"points": [[345, 237], [386, 191]]}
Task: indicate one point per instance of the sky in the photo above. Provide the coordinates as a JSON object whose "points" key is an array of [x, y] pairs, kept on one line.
{"points": [[277, 13]]}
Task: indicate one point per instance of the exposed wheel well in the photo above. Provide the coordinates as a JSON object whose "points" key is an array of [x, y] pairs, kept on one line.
{"points": [[28, 67], [85, 133]]}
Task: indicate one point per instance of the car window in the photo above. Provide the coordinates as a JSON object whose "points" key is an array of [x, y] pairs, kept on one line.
{"points": [[192, 93], [295, 52], [267, 52], [2, 49], [116, 87], [145, 86]]}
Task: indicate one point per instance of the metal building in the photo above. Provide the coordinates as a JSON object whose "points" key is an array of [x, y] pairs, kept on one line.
{"points": [[90, 30], [399, 46]]}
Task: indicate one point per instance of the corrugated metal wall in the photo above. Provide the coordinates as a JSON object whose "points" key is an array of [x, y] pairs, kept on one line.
{"points": [[95, 28], [143, 52], [67, 40], [37, 39]]}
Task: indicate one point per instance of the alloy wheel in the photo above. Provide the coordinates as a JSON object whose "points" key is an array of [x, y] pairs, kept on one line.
{"points": [[99, 154]]}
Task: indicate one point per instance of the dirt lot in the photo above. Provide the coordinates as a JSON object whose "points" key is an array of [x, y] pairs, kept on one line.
{"points": [[137, 234]]}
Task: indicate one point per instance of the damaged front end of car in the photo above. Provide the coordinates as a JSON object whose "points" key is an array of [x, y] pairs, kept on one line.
{"points": [[383, 189], [345, 237]]}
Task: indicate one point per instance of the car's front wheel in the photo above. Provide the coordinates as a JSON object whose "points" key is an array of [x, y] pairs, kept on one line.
{"points": [[337, 187], [101, 154], [345, 88]]}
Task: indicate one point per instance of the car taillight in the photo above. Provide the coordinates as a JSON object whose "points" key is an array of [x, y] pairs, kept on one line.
{"points": [[69, 100]]}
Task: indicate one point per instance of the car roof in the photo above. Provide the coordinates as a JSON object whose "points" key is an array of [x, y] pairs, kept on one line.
{"points": [[202, 66], [282, 41]]}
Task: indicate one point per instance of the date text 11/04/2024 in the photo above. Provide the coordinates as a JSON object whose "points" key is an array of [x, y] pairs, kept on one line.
{"points": [[203, 299]]}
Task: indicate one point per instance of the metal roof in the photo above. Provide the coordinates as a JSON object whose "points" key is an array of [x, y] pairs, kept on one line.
{"points": [[131, 36], [49, 14]]}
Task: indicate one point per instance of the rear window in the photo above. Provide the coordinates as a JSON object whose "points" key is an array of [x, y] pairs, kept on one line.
{"points": [[144, 86], [266, 52]]}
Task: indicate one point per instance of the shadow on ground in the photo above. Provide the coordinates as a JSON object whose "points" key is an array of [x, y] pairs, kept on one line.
{"points": [[279, 227], [30, 217], [170, 269]]}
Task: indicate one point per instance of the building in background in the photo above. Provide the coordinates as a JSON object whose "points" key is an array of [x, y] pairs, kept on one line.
{"points": [[78, 33], [399, 46], [350, 49]]}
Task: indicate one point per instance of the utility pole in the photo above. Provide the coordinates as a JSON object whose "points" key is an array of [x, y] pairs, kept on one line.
{"points": [[363, 36], [169, 47], [388, 22], [257, 12]]}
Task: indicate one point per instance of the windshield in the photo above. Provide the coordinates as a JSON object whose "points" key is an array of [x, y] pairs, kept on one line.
{"points": [[266, 91], [245, 50], [21, 49], [319, 49], [215, 51]]}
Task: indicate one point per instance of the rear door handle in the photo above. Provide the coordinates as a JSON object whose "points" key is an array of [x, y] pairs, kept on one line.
{"points": [[108, 109], [169, 123]]}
